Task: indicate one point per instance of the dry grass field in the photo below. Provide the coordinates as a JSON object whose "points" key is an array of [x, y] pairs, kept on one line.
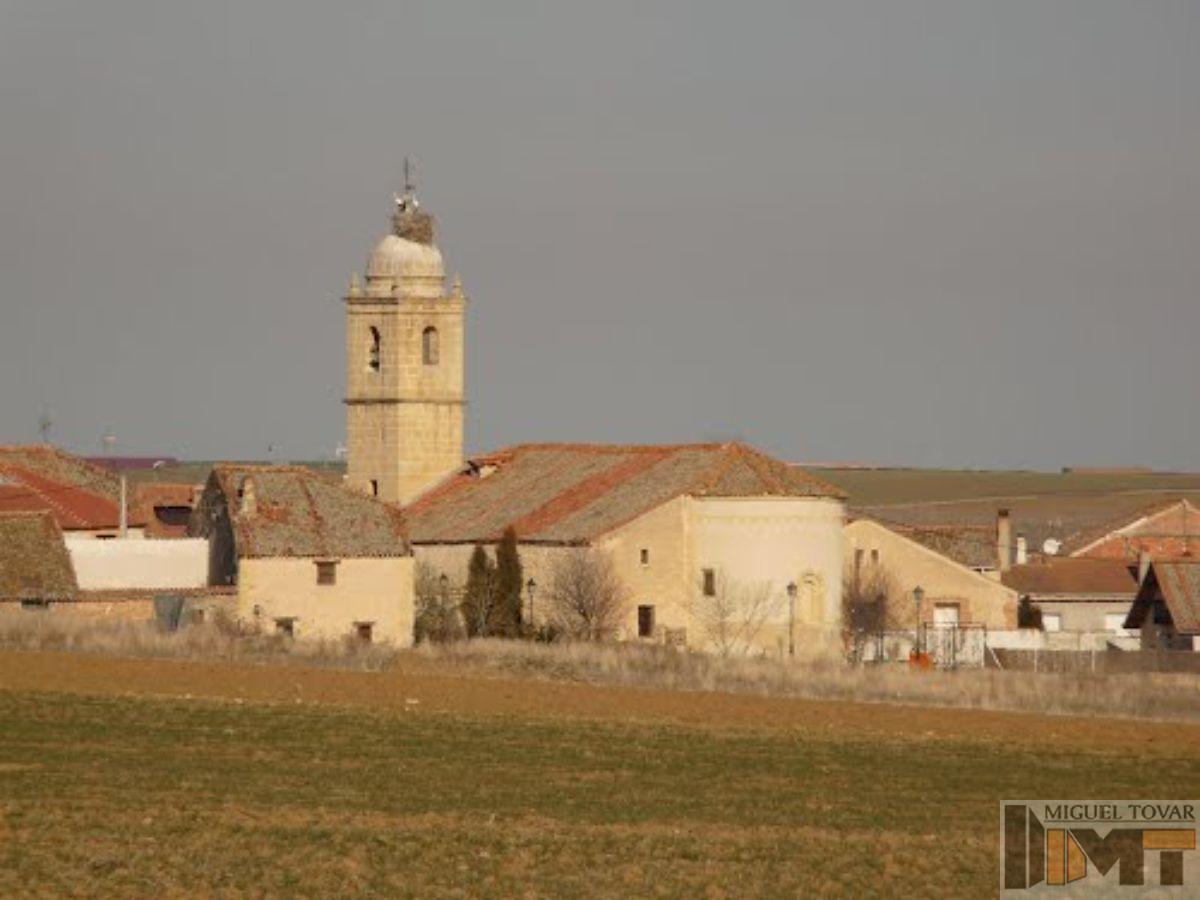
{"points": [[440, 777]]}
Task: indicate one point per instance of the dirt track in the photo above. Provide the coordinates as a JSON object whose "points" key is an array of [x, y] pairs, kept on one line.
{"points": [[420, 687]]}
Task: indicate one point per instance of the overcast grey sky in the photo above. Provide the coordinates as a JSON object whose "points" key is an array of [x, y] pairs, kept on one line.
{"points": [[950, 234]]}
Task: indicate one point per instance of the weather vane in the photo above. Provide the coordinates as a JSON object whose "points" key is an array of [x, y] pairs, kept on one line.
{"points": [[408, 200]]}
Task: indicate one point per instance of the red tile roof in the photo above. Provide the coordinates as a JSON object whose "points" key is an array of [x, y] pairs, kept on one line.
{"points": [[1178, 581], [1161, 519], [1082, 578], [1180, 584], [81, 497], [73, 508], [572, 493]]}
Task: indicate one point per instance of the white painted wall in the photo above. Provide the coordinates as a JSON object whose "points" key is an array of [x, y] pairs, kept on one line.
{"points": [[138, 564]]}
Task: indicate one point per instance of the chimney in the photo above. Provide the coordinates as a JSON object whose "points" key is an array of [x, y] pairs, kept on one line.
{"points": [[123, 516], [1143, 565], [1003, 540], [1022, 550]]}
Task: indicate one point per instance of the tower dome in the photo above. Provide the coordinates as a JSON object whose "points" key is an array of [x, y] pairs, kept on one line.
{"points": [[407, 261]]}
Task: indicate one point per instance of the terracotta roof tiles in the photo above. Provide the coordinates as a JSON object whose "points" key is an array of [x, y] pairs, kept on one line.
{"points": [[299, 513], [572, 493], [1085, 578]]}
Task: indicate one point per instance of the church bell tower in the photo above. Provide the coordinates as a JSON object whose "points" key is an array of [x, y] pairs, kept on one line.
{"points": [[404, 363]]}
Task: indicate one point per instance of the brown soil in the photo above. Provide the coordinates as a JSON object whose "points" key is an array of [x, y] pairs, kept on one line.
{"points": [[421, 687]]}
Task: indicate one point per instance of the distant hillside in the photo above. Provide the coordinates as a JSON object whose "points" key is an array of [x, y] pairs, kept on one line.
{"points": [[870, 487]]}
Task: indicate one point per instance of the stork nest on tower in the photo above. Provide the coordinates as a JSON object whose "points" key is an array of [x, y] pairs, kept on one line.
{"points": [[413, 225]]}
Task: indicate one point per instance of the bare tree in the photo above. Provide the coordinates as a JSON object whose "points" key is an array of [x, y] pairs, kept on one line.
{"points": [[436, 618], [587, 599], [871, 599], [732, 614]]}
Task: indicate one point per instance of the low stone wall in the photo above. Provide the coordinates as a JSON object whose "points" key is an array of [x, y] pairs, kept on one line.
{"points": [[117, 609]]}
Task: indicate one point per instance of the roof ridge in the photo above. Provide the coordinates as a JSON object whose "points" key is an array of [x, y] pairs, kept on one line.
{"points": [[567, 502], [755, 460]]}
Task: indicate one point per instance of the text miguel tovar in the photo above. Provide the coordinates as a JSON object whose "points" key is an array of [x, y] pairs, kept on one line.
{"points": [[1120, 812]]}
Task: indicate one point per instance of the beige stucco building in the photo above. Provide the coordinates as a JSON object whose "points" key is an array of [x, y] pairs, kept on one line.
{"points": [[954, 594], [309, 557], [404, 364], [705, 539]]}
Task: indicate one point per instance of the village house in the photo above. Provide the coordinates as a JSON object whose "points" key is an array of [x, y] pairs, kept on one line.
{"points": [[1166, 610], [1084, 602], [1165, 530], [309, 557], [954, 593], [680, 523]]}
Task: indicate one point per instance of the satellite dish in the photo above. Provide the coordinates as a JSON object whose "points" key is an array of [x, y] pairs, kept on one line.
{"points": [[1051, 546]]}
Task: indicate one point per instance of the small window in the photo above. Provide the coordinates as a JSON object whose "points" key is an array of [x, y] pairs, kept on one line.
{"points": [[374, 487], [1051, 622], [106, 537], [645, 556], [373, 350], [35, 604], [326, 571], [429, 346], [645, 621], [285, 627], [363, 631], [874, 557], [173, 515], [710, 582]]}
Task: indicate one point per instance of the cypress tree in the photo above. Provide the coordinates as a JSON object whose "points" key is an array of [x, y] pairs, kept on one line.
{"points": [[479, 598], [508, 585]]}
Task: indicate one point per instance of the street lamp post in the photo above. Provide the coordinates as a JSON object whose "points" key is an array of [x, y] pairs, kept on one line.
{"points": [[531, 586], [791, 592], [918, 596]]}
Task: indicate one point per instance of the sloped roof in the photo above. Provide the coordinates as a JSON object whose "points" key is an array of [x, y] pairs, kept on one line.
{"points": [[1064, 576], [1137, 522], [79, 495], [572, 493], [34, 564], [299, 513], [972, 546], [1179, 583]]}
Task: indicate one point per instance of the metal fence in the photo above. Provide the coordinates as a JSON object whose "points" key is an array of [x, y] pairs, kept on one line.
{"points": [[966, 646], [1111, 662]]}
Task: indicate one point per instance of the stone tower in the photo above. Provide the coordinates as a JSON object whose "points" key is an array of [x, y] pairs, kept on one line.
{"points": [[404, 363]]}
